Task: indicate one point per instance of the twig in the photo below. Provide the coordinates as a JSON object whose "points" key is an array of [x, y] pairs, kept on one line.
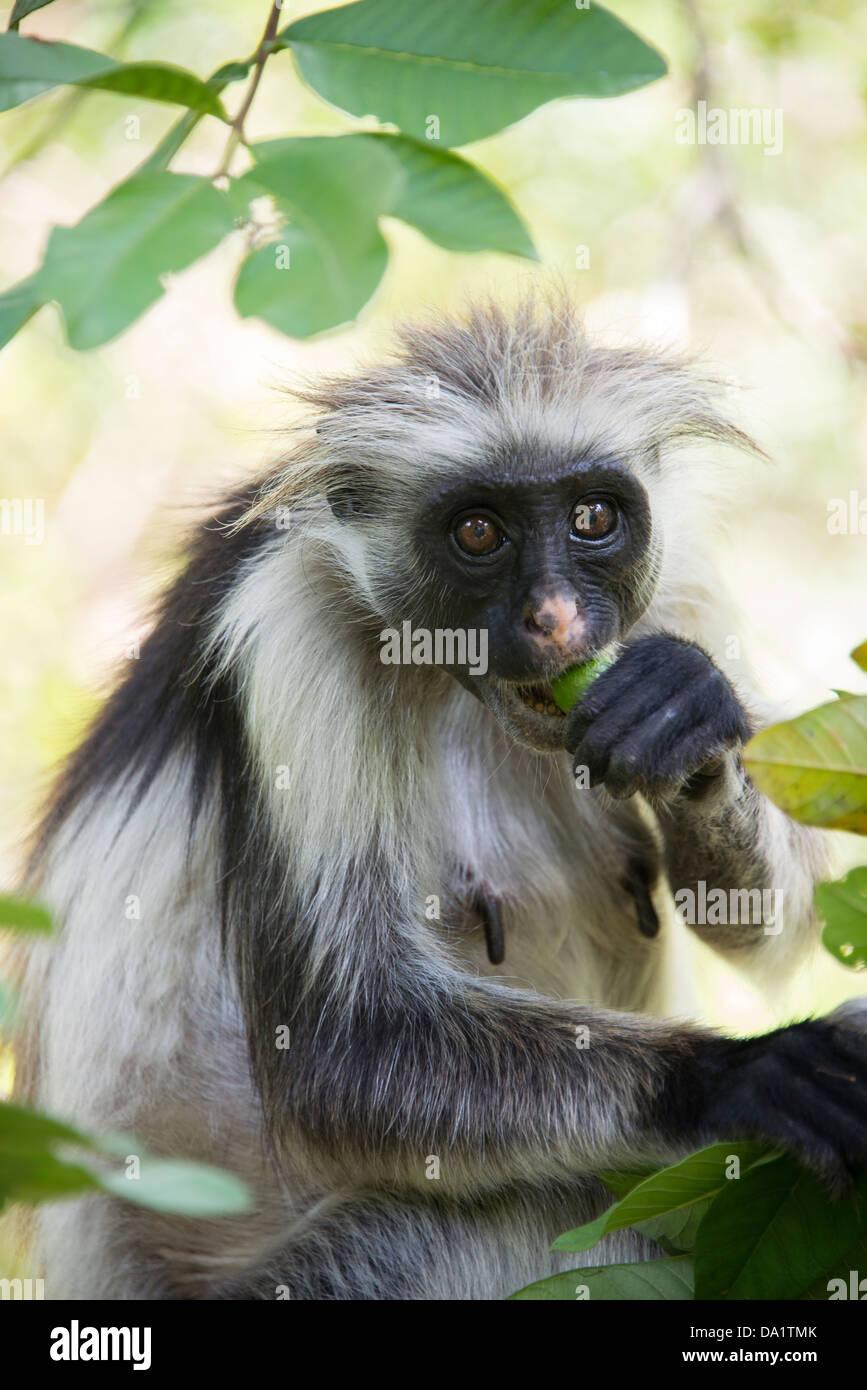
{"points": [[794, 305], [263, 52]]}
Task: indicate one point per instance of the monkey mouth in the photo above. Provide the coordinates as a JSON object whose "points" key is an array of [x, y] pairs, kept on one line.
{"points": [[539, 698], [527, 711]]}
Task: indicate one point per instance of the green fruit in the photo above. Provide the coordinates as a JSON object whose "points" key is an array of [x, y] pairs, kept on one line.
{"points": [[569, 688]]}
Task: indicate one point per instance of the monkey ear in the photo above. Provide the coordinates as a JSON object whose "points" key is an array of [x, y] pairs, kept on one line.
{"points": [[345, 500], [348, 490], [351, 494]]}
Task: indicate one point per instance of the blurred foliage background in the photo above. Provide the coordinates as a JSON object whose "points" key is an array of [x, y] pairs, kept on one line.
{"points": [[755, 262]]}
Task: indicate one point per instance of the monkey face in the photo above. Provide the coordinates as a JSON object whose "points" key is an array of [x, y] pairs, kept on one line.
{"points": [[552, 565]]}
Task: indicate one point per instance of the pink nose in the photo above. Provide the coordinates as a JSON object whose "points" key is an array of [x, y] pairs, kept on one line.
{"points": [[556, 620]]}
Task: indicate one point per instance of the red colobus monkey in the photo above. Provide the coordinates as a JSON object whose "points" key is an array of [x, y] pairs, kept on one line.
{"points": [[381, 920]]}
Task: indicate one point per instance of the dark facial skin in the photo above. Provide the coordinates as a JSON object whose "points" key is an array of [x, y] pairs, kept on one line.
{"points": [[554, 567]]}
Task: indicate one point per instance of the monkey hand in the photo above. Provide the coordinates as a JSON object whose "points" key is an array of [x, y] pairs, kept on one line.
{"points": [[803, 1087], [663, 719]]}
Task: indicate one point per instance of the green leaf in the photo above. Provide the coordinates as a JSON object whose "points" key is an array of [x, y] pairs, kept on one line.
{"points": [[17, 305], [815, 766], [40, 1177], [171, 142], [676, 1188], [187, 1189], [109, 268], [621, 1181], [321, 269], [859, 656], [20, 914], [475, 65], [29, 67], [31, 1170], [451, 201], [666, 1279], [772, 1235], [23, 1130], [842, 906], [852, 1260], [676, 1231], [22, 8]]}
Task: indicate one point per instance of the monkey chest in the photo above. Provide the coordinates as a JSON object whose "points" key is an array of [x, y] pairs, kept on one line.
{"points": [[551, 898]]}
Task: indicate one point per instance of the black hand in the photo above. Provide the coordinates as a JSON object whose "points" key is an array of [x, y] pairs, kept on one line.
{"points": [[662, 714], [804, 1087]]}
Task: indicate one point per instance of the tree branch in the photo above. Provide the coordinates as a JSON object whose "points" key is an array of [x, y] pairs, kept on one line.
{"points": [[796, 306], [263, 52]]}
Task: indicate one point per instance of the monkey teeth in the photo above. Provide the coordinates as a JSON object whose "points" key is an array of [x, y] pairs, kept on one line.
{"points": [[538, 698]]}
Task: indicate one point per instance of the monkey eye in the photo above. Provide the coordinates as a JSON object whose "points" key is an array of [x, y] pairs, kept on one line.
{"points": [[593, 519], [478, 535]]}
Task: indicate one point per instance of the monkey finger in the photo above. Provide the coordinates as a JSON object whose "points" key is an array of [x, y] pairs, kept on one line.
{"points": [[649, 756], [701, 745], [624, 777], [612, 722], [593, 759], [629, 686]]}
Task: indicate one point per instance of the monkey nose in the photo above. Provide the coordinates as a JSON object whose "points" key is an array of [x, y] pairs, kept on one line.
{"points": [[556, 619]]}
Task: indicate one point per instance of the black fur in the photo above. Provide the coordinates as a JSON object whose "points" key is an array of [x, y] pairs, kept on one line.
{"points": [[803, 1086], [659, 715], [167, 701], [397, 1050]]}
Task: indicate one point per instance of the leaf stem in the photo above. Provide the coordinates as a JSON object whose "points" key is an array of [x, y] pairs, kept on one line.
{"points": [[263, 52]]}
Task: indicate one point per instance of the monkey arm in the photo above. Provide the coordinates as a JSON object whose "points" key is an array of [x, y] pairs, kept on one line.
{"points": [[742, 873], [395, 1054], [496, 1085], [424, 1061], [665, 721]]}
